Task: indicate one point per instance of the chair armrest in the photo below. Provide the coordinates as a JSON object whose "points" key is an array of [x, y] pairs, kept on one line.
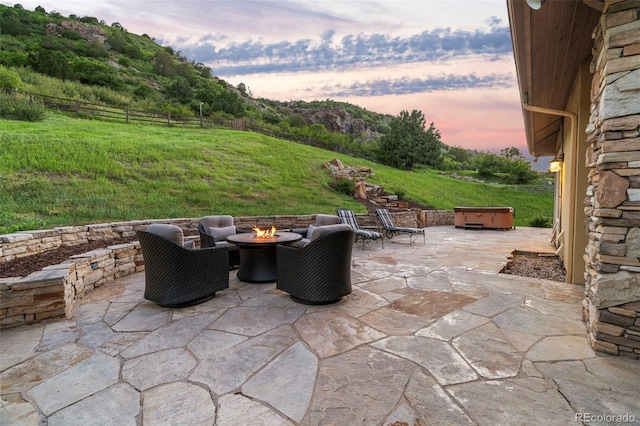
{"points": [[301, 231]]}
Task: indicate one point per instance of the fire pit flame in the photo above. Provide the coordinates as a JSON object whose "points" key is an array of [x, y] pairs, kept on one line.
{"points": [[265, 233]]}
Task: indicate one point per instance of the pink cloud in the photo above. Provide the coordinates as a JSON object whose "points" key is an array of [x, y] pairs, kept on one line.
{"points": [[482, 119]]}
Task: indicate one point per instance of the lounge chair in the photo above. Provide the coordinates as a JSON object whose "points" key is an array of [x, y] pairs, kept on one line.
{"points": [[348, 218], [320, 272], [177, 276], [391, 229]]}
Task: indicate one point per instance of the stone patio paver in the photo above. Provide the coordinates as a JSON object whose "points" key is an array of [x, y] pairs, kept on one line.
{"points": [[438, 357], [79, 381], [489, 352], [452, 325], [23, 342], [41, 367], [117, 405], [527, 401], [560, 348], [432, 334], [177, 403], [332, 332], [166, 366], [293, 374]]}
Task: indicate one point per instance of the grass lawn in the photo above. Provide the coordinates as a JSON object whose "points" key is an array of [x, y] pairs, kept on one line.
{"points": [[65, 171]]}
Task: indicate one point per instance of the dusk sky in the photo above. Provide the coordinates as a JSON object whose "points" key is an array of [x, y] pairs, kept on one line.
{"points": [[450, 59]]}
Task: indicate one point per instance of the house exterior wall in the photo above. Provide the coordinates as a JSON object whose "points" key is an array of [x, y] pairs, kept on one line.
{"points": [[574, 180], [570, 234], [612, 256]]}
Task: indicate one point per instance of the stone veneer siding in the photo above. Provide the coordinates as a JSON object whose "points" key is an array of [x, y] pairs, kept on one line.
{"points": [[55, 290], [612, 289]]}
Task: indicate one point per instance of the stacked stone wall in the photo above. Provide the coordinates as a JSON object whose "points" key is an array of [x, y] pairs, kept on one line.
{"points": [[54, 291], [612, 276], [27, 243]]}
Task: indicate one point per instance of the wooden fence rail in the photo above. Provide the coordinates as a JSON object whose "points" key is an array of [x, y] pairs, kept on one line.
{"points": [[82, 109]]}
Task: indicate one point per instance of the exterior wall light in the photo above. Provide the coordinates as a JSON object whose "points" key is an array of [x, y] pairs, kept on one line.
{"points": [[555, 165], [535, 4]]}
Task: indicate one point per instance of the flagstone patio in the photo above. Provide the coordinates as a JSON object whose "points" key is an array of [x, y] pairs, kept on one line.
{"points": [[432, 334]]}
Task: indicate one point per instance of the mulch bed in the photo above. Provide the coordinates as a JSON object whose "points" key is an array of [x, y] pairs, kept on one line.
{"points": [[536, 266], [23, 266]]}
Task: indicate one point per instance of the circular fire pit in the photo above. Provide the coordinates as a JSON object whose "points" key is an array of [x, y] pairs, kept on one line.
{"points": [[258, 255]]}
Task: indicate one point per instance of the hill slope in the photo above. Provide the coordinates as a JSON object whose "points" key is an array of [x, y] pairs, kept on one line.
{"points": [[64, 171], [134, 71]]}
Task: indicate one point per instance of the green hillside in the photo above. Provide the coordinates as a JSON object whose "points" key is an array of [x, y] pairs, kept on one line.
{"points": [[83, 58], [64, 171]]}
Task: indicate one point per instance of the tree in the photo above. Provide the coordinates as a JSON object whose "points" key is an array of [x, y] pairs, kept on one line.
{"points": [[118, 26], [511, 153], [520, 172], [50, 62], [408, 143], [217, 98], [297, 120], [11, 24], [488, 164], [117, 41], [164, 64], [180, 89]]}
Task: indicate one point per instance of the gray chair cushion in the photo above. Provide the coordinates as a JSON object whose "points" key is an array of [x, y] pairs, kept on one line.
{"points": [[221, 234], [327, 219], [310, 230], [170, 232], [217, 221], [327, 229]]}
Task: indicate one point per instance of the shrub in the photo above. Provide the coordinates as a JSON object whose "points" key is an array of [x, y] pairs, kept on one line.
{"points": [[16, 106], [124, 61], [400, 193], [540, 222], [297, 120], [520, 172], [8, 79], [345, 186]]}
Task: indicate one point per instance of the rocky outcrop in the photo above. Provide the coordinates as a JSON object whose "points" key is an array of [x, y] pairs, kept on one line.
{"points": [[88, 32], [358, 175], [337, 120]]}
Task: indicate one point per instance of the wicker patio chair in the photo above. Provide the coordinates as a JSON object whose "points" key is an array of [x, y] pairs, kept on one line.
{"points": [[321, 220], [213, 232], [391, 229], [347, 217], [177, 276], [320, 272]]}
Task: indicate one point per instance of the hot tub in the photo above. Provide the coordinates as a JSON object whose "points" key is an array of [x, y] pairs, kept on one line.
{"points": [[483, 217]]}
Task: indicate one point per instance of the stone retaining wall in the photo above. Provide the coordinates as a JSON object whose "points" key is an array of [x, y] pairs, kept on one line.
{"points": [[55, 290], [612, 296], [27, 243]]}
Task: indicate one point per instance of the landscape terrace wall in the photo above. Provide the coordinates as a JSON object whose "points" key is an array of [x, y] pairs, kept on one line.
{"points": [[55, 290], [612, 288]]}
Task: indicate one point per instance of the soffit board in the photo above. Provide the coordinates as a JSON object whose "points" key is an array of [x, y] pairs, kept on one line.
{"points": [[549, 45]]}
